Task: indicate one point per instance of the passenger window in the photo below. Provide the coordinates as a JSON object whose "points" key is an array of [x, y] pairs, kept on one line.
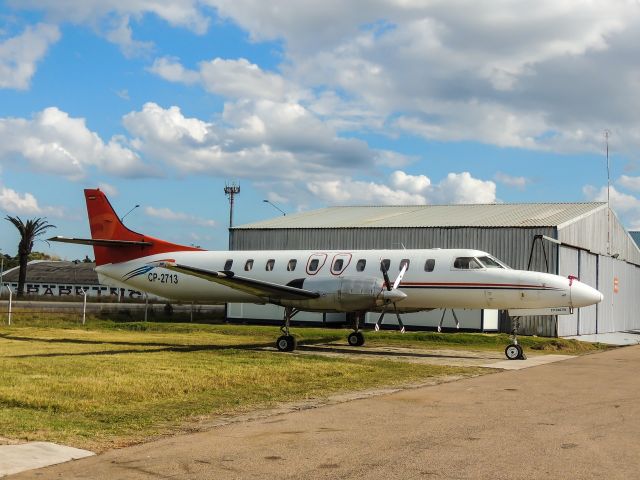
{"points": [[228, 264], [337, 265], [270, 263], [384, 265], [466, 263], [404, 262], [361, 264], [313, 265], [248, 265], [291, 266], [429, 265]]}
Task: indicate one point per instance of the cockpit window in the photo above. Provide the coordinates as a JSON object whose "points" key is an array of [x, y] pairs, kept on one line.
{"points": [[466, 263], [490, 262]]}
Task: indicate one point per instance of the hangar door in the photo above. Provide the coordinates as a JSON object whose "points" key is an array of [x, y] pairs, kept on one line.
{"points": [[568, 264], [605, 285], [587, 316]]}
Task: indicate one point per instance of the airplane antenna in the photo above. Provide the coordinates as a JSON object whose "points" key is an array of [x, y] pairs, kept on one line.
{"points": [[607, 133], [231, 190]]}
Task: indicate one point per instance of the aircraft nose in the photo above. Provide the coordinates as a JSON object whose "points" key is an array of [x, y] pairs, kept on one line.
{"points": [[582, 295]]}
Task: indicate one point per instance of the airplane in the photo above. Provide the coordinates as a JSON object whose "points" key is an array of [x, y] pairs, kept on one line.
{"points": [[349, 281]]}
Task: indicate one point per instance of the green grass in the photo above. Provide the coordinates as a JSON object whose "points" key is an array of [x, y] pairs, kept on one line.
{"points": [[113, 383], [109, 384]]}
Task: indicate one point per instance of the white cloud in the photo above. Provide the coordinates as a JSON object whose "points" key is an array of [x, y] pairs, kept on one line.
{"points": [[119, 32], [108, 189], [172, 70], [463, 188], [19, 55], [619, 201], [170, 215], [632, 183], [16, 203], [53, 142], [181, 13], [406, 189], [259, 139], [511, 181]]}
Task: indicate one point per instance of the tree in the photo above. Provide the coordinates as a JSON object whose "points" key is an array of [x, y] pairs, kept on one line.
{"points": [[29, 231]]}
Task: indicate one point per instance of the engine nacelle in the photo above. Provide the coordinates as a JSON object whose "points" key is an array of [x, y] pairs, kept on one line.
{"points": [[340, 294]]}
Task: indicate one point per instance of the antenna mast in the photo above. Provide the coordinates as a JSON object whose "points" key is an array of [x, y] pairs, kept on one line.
{"points": [[607, 133]]}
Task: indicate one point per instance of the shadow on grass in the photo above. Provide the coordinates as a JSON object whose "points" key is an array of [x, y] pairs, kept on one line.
{"points": [[378, 353], [162, 347]]}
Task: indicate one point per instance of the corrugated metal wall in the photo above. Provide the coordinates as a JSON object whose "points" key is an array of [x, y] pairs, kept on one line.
{"points": [[605, 285], [590, 233], [511, 245], [587, 319], [568, 264]]}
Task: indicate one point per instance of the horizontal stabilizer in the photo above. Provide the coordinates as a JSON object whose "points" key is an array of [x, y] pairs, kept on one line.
{"points": [[529, 312], [101, 242]]}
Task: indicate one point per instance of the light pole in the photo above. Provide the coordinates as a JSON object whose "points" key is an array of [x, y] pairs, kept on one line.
{"points": [[276, 207], [122, 218], [231, 190]]}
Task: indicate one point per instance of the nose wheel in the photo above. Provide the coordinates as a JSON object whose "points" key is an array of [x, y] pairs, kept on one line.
{"points": [[514, 351]]}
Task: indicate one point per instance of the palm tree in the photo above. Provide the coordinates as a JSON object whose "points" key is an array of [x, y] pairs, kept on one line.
{"points": [[29, 231]]}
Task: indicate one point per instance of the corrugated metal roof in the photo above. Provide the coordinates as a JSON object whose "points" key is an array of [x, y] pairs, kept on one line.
{"points": [[475, 215]]}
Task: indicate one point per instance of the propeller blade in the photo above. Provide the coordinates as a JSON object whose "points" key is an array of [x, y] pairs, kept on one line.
{"points": [[399, 319], [399, 277], [385, 275], [377, 326]]}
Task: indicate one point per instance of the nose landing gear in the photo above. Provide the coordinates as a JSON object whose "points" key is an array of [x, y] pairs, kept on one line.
{"points": [[514, 351]]}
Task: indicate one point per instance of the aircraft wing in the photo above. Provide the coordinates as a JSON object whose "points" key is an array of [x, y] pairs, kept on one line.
{"points": [[258, 288]]}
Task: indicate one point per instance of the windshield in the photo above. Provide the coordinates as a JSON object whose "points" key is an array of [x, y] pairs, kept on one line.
{"points": [[491, 262]]}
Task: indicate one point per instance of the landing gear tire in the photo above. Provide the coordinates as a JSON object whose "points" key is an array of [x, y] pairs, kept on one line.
{"points": [[286, 343], [356, 339], [513, 352]]}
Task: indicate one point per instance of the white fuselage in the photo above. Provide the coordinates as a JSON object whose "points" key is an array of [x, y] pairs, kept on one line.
{"points": [[347, 279]]}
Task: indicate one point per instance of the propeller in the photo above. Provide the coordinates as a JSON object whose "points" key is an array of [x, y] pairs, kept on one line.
{"points": [[391, 295]]}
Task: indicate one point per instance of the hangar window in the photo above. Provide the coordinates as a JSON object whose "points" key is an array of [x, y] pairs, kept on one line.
{"points": [[291, 266], [228, 264], [248, 265], [403, 262], [313, 265], [466, 263], [270, 263], [429, 265], [490, 262], [384, 265], [361, 264]]}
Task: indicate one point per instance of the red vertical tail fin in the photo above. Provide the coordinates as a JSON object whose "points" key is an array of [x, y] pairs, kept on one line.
{"points": [[106, 225]]}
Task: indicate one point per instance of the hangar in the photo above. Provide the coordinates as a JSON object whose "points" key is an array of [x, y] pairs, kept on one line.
{"points": [[582, 239]]}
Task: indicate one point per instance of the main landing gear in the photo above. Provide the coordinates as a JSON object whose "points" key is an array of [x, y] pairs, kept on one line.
{"points": [[356, 338], [287, 342], [514, 350]]}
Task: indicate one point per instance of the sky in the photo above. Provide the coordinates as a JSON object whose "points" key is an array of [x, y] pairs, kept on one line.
{"points": [[309, 104]]}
